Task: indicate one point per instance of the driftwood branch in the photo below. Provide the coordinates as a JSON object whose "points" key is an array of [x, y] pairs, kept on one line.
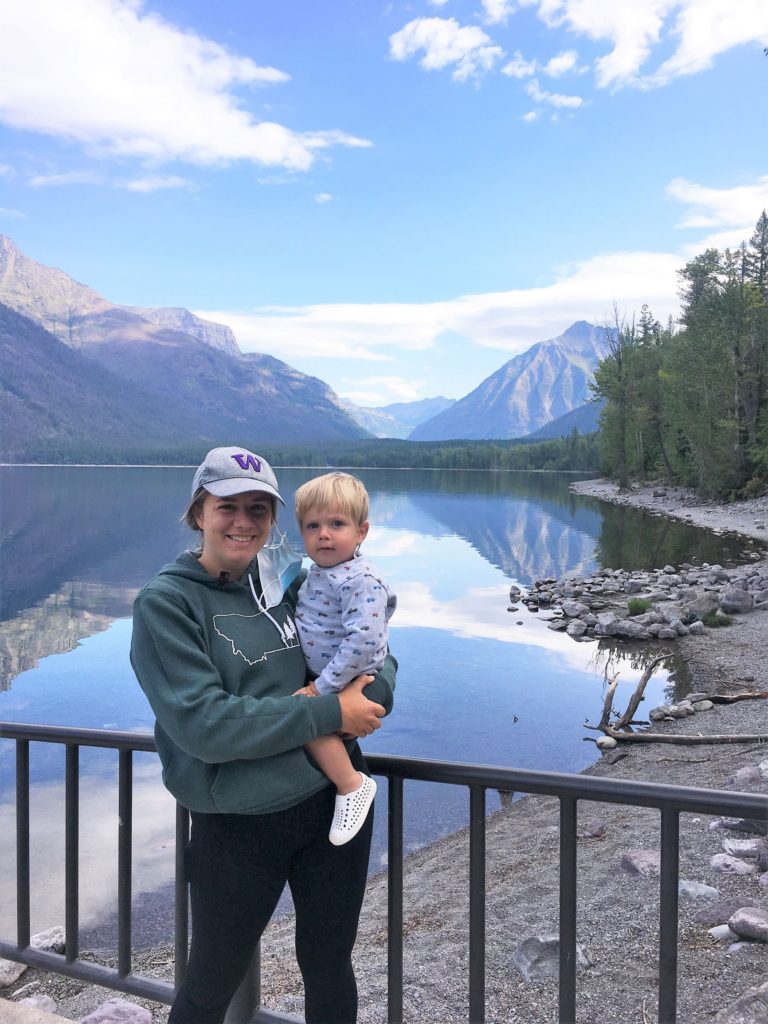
{"points": [[732, 698], [608, 702], [637, 696], [621, 729], [654, 737]]}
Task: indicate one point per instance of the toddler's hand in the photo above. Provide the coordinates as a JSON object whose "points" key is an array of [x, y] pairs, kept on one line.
{"points": [[310, 690]]}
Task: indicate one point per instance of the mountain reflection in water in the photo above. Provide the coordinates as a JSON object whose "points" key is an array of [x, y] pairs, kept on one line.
{"points": [[476, 683]]}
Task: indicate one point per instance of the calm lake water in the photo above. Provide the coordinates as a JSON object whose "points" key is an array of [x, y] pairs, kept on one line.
{"points": [[477, 682]]}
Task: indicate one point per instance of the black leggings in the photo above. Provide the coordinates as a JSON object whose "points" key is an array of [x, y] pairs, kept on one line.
{"points": [[237, 866]]}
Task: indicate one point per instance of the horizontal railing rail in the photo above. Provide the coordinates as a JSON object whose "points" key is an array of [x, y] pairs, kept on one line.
{"points": [[670, 801]]}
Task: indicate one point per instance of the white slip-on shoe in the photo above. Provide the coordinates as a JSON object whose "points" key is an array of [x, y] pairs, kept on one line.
{"points": [[351, 811]]}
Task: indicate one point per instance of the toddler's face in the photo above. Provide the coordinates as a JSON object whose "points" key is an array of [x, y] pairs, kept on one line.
{"points": [[331, 536]]}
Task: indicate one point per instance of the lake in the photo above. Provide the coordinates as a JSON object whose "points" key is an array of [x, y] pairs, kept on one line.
{"points": [[477, 681]]}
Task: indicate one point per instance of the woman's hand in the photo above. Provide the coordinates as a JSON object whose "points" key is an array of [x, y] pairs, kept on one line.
{"points": [[359, 716]]}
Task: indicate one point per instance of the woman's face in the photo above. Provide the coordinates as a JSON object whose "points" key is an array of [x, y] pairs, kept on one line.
{"points": [[234, 530]]}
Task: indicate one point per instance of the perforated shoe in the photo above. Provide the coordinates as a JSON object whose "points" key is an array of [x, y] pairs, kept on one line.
{"points": [[351, 811]]}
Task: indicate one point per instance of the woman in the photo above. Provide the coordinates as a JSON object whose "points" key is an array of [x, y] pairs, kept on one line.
{"points": [[219, 660]]}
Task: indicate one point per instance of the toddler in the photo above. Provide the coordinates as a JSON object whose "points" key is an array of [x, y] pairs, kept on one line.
{"points": [[342, 617]]}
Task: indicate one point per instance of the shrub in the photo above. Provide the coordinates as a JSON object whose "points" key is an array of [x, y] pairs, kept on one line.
{"points": [[638, 605], [716, 619]]}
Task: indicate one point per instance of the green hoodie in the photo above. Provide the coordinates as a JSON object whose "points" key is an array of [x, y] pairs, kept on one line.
{"points": [[219, 674]]}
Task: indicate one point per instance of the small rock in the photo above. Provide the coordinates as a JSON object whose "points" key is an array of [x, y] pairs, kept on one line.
{"points": [[606, 743], [641, 862], [697, 890], [735, 601], [593, 829], [722, 933], [40, 1002], [10, 972], [51, 941], [750, 1008], [538, 957], [118, 1011], [558, 625], [750, 923], [703, 705], [722, 911], [576, 628], [726, 865]]}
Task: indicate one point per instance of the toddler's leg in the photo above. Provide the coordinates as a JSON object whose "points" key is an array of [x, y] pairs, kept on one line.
{"points": [[354, 791], [333, 761]]}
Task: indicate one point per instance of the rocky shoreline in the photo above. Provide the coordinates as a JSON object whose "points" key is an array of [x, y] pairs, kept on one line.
{"points": [[617, 891]]}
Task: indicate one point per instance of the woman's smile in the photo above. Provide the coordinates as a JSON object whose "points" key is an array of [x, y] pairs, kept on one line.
{"points": [[234, 530]]}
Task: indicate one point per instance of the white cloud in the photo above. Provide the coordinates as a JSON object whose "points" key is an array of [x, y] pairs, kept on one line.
{"points": [[128, 83], [509, 321], [721, 207], [554, 99], [375, 391], [323, 197], [560, 64], [699, 30], [8, 213], [66, 178], [437, 3], [497, 11], [152, 184], [532, 115], [707, 28], [519, 67], [445, 42], [6, 171]]}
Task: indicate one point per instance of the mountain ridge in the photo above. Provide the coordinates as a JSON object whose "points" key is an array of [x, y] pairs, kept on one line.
{"points": [[545, 382]]}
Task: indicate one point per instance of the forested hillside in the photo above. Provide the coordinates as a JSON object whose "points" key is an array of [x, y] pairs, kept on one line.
{"points": [[689, 402]]}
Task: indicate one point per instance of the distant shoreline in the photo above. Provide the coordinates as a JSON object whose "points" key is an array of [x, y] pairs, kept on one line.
{"points": [[748, 517]]}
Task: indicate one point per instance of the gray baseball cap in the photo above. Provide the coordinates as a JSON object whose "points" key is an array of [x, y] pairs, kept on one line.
{"points": [[226, 471]]}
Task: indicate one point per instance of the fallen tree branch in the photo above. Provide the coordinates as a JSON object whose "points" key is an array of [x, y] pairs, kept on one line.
{"points": [[653, 737], [725, 698], [637, 696]]}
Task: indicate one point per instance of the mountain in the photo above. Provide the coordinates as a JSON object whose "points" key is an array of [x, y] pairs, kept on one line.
{"points": [[530, 390], [185, 378], [399, 418], [585, 418], [54, 399]]}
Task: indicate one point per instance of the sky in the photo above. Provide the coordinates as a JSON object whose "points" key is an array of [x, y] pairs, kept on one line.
{"points": [[396, 197]]}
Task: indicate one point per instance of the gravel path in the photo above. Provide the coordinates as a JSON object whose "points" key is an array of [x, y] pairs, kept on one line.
{"points": [[617, 912]]}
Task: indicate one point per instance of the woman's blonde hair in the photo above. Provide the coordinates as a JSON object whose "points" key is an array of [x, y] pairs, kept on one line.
{"points": [[338, 490]]}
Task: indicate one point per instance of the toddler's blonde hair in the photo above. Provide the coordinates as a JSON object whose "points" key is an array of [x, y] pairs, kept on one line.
{"points": [[333, 490]]}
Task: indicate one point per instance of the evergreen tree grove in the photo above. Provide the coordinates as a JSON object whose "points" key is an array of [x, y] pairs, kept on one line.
{"points": [[691, 404]]}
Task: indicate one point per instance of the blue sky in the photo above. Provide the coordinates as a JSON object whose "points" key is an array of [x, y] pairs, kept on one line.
{"points": [[396, 197]]}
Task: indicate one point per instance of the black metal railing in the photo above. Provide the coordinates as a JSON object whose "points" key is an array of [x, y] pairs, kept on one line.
{"points": [[671, 801]]}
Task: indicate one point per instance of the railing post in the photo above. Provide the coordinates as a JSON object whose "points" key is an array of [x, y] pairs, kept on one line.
{"points": [[477, 904], [668, 896], [124, 860], [22, 843], [72, 853], [395, 902], [567, 1001]]}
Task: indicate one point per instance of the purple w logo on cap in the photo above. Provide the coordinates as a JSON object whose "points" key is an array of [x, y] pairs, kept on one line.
{"points": [[247, 462]]}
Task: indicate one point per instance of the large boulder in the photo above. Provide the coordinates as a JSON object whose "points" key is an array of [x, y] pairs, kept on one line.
{"points": [[736, 601]]}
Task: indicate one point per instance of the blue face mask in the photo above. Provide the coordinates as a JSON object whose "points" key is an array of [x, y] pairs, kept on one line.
{"points": [[279, 565]]}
